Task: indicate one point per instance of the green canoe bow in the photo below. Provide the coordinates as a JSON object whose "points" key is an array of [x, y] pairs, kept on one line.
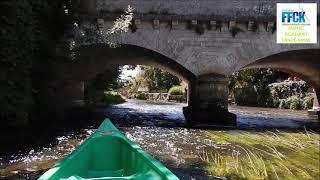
{"points": [[108, 154]]}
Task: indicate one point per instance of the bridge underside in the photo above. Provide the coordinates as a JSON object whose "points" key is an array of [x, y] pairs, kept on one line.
{"points": [[302, 63], [207, 94]]}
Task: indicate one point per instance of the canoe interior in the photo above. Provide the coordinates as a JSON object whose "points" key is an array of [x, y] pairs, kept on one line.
{"points": [[108, 154]]}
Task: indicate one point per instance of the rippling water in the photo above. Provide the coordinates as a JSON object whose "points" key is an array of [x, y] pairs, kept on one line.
{"points": [[159, 129]]}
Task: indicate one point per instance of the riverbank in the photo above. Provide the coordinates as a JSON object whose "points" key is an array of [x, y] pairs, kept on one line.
{"points": [[264, 155]]}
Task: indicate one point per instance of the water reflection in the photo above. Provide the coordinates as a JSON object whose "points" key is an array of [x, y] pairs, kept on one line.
{"points": [[29, 165]]}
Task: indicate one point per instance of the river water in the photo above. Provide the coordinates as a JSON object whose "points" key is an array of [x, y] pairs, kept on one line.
{"points": [[158, 127]]}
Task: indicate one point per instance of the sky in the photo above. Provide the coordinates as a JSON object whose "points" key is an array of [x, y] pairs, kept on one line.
{"points": [[128, 74]]}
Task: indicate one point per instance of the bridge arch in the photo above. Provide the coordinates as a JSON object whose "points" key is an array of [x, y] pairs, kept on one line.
{"points": [[94, 59], [303, 63], [214, 52]]}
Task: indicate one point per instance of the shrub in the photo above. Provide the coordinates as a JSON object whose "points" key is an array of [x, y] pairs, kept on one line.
{"points": [[176, 90], [295, 102], [283, 104], [288, 88], [275, 102], [111, 97], [307, 102], [291, 95]]}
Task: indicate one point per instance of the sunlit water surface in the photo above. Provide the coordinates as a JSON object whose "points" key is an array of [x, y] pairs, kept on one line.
{"points": [[159, 129]]}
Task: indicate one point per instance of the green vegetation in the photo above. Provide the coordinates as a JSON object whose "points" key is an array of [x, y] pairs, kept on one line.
{"points": [[156, 80], [151, 96], [154, 84], [264, 155], [291, 95], [35, 37], [28, 35], [100, 90], [111, 97], [250, 87], [295, 102], [176, 90], [259, 87]]}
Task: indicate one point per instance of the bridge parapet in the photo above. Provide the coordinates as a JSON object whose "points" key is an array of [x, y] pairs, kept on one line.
{"points": [[202, 47], [240, 10]]}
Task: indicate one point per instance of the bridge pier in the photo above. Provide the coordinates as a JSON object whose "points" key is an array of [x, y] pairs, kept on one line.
{"points": [[316, 107], [208, 101], [72, 94], [71, 102]]}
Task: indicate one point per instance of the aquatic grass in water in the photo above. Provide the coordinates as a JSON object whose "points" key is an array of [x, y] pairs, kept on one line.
{"points": [[265, 155]]}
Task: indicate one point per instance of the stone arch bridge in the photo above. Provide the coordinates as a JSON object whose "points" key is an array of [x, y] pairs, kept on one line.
{"points": [[201, 41]]}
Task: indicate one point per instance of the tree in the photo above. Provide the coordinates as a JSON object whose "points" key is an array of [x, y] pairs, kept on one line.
{"points": [[155, 79], [106, 81], [254, 77], [28, 34], [254, 84], [30, 31]]}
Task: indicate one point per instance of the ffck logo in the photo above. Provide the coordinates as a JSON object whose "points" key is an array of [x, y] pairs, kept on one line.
{"points": [[296, 17], [296, 23]]}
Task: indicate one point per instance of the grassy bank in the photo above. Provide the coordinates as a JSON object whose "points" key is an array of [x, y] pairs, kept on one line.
{"points": [[111, 97], [106, 98], [264, 155]]}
